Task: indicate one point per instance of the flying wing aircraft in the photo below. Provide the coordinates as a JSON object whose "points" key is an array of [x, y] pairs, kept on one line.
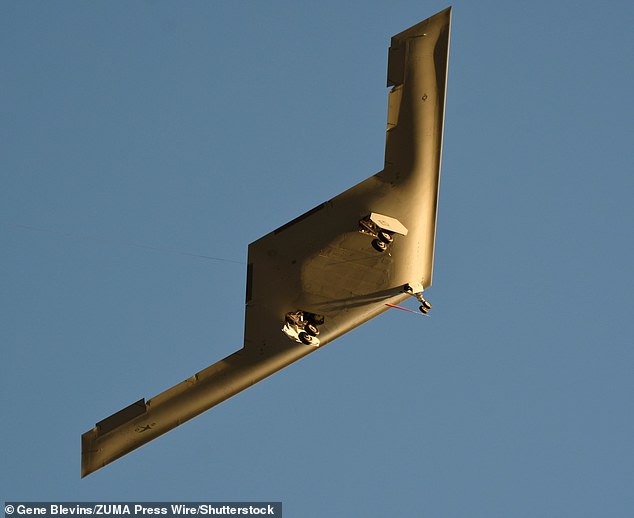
{"points": [[332, 268]]}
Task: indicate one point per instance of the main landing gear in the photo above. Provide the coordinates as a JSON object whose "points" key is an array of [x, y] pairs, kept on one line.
{"points": [[416, 290], [383, 237], [302, 326]]}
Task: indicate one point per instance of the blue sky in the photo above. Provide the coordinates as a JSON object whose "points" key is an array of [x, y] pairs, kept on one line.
{"points": [[137, 136]]}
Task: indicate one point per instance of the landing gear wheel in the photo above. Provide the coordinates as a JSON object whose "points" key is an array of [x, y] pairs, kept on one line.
{"points": [[386, 237], [379, 245], [311, 330], [305, 338], [423, 310], [426, 304]]}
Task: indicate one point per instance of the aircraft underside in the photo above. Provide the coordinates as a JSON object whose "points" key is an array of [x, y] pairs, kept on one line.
{"points": [[331, 269]]}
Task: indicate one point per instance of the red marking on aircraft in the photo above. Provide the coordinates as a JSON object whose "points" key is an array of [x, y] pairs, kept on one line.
{"points": [[405, 309]]}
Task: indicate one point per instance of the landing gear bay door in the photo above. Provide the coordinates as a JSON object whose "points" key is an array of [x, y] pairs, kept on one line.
{"points": [[389, 224]]}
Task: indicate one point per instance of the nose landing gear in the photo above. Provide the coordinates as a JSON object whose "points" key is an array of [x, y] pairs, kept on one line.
{"points": [[416, 290]]}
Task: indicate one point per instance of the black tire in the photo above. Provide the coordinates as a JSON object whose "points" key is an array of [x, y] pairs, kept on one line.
{"points": [[311, 329], [379, 245], [305, 338], [423, 310], [427, 304], [385, 236]]}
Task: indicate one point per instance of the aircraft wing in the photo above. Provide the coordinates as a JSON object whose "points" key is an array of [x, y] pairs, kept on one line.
{"points": [[331, 269]]}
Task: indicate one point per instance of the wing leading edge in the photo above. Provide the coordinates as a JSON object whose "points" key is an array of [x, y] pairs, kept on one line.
{"points": [[326, 268]]}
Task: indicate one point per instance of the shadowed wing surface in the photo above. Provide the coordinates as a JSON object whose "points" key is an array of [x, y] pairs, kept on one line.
{"points": [[321, 263]]}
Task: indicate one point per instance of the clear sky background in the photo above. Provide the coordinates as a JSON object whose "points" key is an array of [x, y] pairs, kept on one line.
{"points": [[136, 137]]}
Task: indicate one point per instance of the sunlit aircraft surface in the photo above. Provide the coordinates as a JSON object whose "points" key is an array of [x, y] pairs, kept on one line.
{"points": [[331, 269]]}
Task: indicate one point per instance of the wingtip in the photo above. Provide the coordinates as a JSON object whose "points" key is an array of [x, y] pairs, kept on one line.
{"points": [[419, 28], [438, 24], [86, 442]]}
